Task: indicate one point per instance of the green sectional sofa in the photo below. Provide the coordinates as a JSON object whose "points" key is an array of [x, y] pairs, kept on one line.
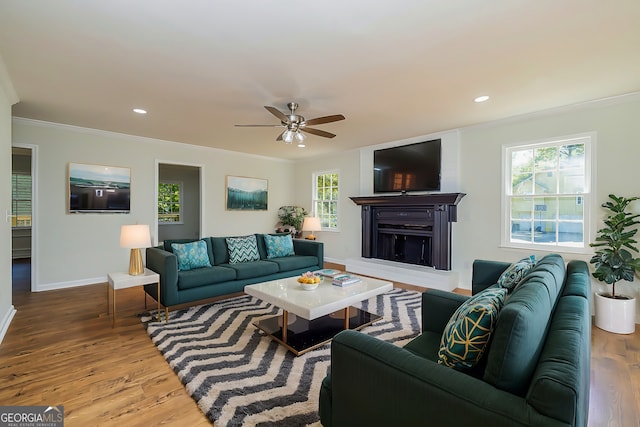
{"points": [[535, 371], [224, 277]]}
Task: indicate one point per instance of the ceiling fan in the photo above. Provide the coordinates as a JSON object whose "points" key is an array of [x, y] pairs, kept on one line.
{"points": [[294, 124]]}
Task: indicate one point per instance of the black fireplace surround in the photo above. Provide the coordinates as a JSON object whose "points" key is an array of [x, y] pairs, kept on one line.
{"points": [[413, 229]]}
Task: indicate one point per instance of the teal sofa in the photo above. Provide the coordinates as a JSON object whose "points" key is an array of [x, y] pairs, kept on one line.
{"points": [[534, 373], [223, 278]]}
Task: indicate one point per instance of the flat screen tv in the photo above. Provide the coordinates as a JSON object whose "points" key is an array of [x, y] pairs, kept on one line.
{"points": [[412, 167], [99, 189]]}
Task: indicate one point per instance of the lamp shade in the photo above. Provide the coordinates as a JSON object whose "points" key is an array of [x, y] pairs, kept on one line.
{"points": [[311, 223], [135, 236]]}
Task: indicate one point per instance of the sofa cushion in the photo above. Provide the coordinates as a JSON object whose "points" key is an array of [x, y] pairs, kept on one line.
{"points": [[426, 345], [242, 249], [295, 262], [191, 255], [278, 245], [251, 269], [167, 245], [220, 250], [467, 334], [522, 326], [514, 274], [205, 276]]}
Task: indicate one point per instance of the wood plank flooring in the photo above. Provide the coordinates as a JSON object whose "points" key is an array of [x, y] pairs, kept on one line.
{"points": [[61, 350]]}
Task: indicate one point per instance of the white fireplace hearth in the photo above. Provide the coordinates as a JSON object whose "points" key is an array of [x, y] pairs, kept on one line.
{"points": [[417, 275]]}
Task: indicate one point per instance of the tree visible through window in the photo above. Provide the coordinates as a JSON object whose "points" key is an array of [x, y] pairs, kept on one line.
{"points": [[170, 203], [20, 200], [547, 193], [325, 199]]}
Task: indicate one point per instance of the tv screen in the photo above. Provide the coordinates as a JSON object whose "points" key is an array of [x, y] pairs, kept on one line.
{"points": [[99, 189], [413, 167]]}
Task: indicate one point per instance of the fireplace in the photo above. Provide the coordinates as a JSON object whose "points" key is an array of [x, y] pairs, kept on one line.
{"points": [[411, 229]]}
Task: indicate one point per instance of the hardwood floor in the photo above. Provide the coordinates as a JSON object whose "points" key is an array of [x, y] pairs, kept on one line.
{"points": [[61, 350]]}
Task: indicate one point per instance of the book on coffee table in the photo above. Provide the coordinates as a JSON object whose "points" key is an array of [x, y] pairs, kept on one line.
{"points": [[345, 280], [328, 272]]}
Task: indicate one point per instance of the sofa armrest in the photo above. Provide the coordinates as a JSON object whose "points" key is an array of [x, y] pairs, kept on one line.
{"points": [[486, 273], [438, 307], [311, 248], [378, 383], [166, 265]]}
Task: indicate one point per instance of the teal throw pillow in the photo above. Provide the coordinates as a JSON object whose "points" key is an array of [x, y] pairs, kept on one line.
{"points": [[191, 255], [514, 274], [242, 249], [278, 246], [466, 336]]}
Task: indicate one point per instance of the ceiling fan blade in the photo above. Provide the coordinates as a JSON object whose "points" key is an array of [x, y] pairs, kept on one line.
{"points": [[279, 138], [277, 113], [259, 126], [317, 132], [325, 119]]}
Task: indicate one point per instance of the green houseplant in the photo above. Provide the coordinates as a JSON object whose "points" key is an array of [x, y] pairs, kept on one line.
{"points": [[614, 260], [292, 216]]}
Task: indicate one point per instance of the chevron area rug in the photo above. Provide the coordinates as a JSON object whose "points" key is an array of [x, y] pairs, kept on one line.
{"points": [[239, 377]]}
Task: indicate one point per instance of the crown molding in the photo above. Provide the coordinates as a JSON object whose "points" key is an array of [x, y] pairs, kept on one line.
{"points": [[137, 139]]}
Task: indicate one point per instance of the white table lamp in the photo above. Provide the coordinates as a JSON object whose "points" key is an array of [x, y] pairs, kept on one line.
{"points": [[135, 237], [311, 223]]}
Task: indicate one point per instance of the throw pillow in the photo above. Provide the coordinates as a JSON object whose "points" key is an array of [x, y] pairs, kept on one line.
{"points": [[243, 249], [191, 255], [278, 246], [467, 334], [514, 274]]}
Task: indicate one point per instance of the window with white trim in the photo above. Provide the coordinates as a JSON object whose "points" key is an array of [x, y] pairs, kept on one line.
{"points": [[170, 202], [325, 199], [20, 200], [547, 194]]}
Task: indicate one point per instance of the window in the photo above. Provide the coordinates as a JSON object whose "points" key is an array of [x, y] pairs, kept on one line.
{"points": [[548, 194], [325, 199], [170, 203], [20, 200]]}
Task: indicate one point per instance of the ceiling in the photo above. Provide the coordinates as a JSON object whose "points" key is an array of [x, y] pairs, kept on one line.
{"points": [[396, 70]]}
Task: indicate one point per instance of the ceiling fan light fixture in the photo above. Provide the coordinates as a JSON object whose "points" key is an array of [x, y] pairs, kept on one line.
{"points": [[299, 137], [288, 136]]}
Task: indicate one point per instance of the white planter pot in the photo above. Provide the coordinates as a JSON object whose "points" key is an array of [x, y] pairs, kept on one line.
{"points": [[615, 315]]}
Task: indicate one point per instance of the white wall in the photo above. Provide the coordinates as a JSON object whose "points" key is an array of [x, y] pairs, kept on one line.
{"points": [[7, 98], [79, 249], [478, 174]]}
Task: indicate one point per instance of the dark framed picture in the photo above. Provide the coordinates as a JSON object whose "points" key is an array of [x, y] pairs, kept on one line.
{"points": [[246, 194], [99, 189]]}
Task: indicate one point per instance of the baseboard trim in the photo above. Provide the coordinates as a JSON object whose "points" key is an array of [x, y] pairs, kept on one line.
{"points": [[6, 321], [72, 284]]}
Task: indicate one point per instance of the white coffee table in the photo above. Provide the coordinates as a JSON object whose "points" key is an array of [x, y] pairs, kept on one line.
{"points": [[314, 317]]}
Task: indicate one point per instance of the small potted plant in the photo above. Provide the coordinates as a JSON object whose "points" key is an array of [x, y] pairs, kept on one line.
{"points": [[614, 261], [293, 217]]}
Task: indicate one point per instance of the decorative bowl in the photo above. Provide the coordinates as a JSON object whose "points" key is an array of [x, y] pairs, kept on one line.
{"points": [[309, 286]]}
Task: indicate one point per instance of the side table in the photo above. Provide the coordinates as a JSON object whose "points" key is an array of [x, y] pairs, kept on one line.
{"points": [[122, 280]]}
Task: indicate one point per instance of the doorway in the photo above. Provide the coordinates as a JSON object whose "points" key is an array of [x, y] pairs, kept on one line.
{"points": [[23, 218], [179, 201]]}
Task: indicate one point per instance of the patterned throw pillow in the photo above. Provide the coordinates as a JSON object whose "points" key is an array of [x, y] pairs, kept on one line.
{"points": [[242, 249], [514, 274], [468, 332], [191, 255], [278, 246]]}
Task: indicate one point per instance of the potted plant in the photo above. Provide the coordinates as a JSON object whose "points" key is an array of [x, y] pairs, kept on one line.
{"points": [[614, 261], [292, 216]]}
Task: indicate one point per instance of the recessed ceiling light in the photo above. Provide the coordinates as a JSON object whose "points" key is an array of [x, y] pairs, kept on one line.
{"points": [[301, 144], [482, 98], [139, 111]]}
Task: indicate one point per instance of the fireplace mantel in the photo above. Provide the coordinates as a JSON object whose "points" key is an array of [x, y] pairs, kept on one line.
{"points": [[413, 229], [451, 199]]}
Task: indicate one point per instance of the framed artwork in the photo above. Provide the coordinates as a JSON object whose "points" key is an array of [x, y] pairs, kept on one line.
{"points": [[99, 189], [246, 194]]}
